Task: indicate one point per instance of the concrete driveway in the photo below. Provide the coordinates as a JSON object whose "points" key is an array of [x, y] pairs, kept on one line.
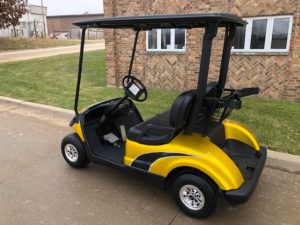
{"points": [[12, 56], [38, 187]]}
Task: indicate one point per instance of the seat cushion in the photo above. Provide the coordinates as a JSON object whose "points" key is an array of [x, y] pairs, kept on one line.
{"points": [[162, 128], [154, 131]]}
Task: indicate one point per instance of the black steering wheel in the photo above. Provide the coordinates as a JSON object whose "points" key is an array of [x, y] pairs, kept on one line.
{"points": [[134, 88]]}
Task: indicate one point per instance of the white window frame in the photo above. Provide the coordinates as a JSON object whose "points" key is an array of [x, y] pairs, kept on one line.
{"points": [[172, 43], [269, 33]]}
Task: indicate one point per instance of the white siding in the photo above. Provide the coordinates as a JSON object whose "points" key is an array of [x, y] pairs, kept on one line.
{"points": [[30, 20]]}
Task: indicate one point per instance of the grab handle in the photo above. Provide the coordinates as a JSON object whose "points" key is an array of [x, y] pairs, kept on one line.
{"points": [[248, 91]]}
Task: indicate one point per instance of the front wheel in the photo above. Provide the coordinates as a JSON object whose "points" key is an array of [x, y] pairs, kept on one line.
{"points": [[194, 195], [73, 151]]}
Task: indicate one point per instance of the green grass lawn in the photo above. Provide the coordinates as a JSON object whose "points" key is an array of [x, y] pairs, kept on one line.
{"points": [[8, 44], [52, 81]]}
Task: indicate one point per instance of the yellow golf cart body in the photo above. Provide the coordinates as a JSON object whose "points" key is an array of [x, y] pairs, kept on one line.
{"points": [[193, 140]]}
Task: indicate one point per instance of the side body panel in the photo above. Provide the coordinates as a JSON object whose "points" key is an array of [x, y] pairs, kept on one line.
{"points": [[193, 151]]}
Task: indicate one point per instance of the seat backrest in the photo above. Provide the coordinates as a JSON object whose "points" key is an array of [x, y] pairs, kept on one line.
{"points": [[182, 106], [181, 109], [211, 89]]}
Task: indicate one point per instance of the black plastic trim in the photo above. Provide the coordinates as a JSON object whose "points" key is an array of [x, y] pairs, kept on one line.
{"points": [[147, 176], [73, 121], [242, 194], [144, 162]]}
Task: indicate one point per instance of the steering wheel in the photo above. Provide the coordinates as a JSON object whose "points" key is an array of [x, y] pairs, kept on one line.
{"points": [[134, 88]]}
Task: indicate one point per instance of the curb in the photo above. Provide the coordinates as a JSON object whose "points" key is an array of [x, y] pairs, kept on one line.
{"points": [[66, 113], [283, 161], [277, 160]]}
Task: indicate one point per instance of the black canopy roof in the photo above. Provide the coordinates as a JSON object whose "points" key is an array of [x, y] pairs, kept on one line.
{"points": [[164, 21]]}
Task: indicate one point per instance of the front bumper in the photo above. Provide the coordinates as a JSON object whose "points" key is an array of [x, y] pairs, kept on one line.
{"points": [[242, 194]]}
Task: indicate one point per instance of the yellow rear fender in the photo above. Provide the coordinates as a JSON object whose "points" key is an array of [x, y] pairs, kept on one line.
{"points": [[192, 151], [236, 131], [223, 173]]}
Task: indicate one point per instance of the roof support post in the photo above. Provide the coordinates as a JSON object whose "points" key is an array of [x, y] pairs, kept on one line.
{"points": [[210, 32], [229, 35], [133, 52], [79, 71]]}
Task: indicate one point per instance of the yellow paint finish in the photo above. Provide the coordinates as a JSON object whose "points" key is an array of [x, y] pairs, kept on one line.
{"points": [[77, 128], [204, 156], [236, 131]]}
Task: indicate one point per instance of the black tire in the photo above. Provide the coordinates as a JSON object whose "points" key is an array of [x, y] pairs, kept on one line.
{"points": [[207, 192], [70, 145]]}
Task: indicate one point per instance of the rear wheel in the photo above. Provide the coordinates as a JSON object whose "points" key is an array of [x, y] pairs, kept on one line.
{"points": [[73, 151], [194, 195]]}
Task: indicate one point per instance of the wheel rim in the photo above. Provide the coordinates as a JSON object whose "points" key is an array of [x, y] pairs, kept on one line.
{"points": [[192, 197], [71, 152]]}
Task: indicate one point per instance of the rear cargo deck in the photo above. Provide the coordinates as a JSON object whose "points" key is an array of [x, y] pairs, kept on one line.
{"points": [[245, 157]]}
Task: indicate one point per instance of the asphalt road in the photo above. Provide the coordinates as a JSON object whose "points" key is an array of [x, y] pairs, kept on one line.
{"points": [[38, 187], [12, 56]]}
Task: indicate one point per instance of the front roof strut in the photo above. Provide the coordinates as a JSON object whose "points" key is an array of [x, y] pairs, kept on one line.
{"points": [[81, 62], [133, 52], [129, 70], [79, 72]]}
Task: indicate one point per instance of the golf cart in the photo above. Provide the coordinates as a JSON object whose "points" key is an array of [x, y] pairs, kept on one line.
{"points": [[190, 149]]}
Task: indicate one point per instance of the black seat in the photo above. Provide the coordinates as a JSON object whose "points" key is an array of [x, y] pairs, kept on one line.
{"points": [[162, 128]]}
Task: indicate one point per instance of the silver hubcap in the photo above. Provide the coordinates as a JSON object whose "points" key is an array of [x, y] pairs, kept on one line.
{"points": [[71, 152], [192, 197]]}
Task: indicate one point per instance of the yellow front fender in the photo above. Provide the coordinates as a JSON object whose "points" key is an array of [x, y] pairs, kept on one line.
{"points": [[77, 128]]}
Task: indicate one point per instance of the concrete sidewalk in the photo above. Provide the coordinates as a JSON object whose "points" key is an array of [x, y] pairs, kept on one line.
{"points": [[38, 187], [12, 56]]}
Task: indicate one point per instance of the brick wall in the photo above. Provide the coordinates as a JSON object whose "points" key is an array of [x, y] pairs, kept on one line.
{"points": [[65, 23], [277, 75]]}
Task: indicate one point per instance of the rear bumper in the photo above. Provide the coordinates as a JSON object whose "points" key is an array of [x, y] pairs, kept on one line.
{"points": [[242, 194]]}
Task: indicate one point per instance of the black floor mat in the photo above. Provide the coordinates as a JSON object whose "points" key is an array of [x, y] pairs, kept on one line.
{"points": [[104, 150]]}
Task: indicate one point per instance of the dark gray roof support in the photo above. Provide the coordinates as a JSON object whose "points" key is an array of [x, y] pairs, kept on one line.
{"points": [[210, 32], [229, 35]]}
